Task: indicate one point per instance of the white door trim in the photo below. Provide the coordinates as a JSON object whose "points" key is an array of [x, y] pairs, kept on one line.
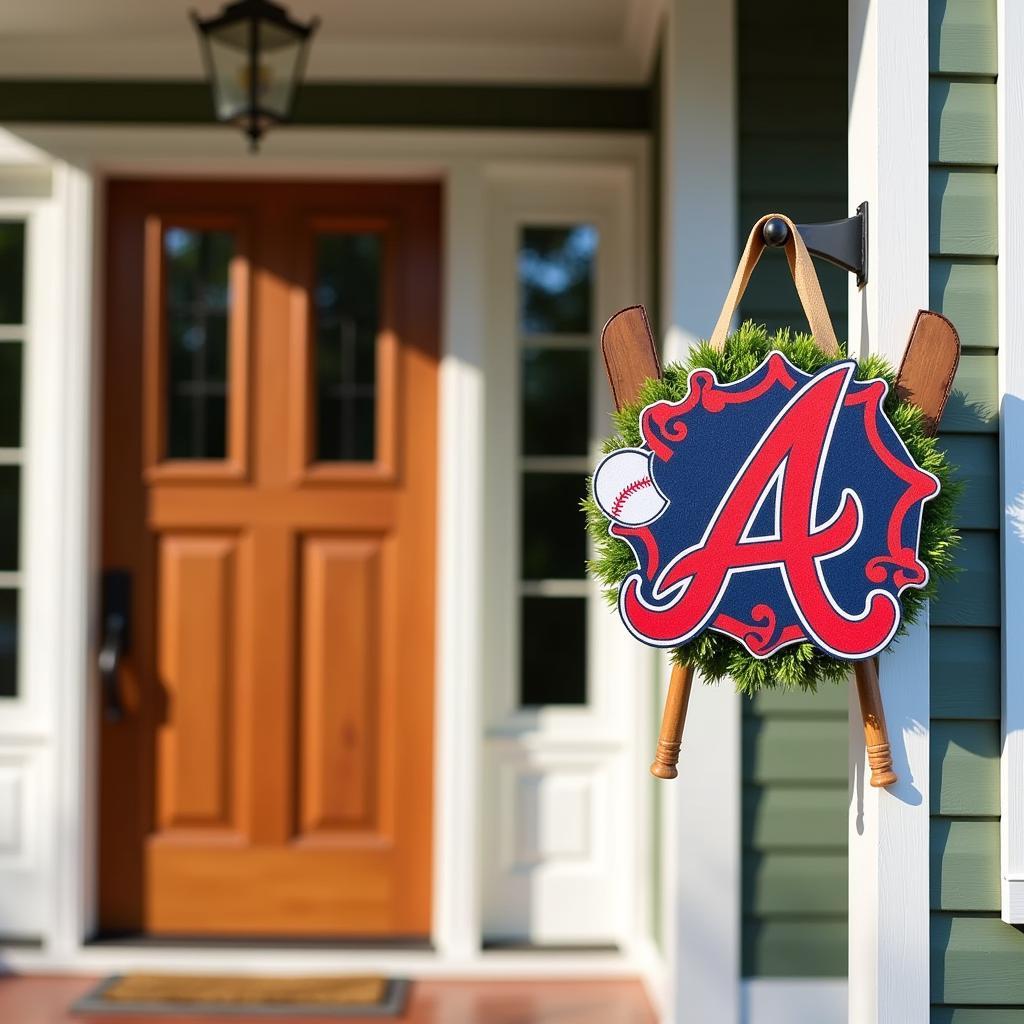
{"points": [[82, 158], [701, 809], [888, 828]]}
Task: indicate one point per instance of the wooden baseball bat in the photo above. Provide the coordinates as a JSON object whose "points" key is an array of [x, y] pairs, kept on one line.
{"points": [[925, 378], [630, 358], [666, 755]]}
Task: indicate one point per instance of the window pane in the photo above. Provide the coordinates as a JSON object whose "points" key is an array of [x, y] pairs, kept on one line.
{"points": [[10, 489], [10, 394], [8, 643], [556, 279], [346, 301], [12, 272], [556, 401], [554, 528], [554, 651], [198, 304]]}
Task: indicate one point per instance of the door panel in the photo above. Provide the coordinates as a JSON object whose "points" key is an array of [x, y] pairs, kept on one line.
{"points": [[198, 598], [341, 602], [270, 464]]}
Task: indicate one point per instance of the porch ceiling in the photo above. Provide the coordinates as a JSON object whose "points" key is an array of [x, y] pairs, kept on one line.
{"points": [[594, 41]]}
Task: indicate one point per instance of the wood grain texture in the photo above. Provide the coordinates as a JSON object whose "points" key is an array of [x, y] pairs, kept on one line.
{"points": [[630, 359], [964, 865], [341, 768], [196, 646], [929, 365], [666, 755], [274, 774], [965, 768], [876, 733], [962, 122], [630, 356]]}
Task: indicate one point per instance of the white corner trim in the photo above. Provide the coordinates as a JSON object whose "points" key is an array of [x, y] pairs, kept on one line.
{"points": [[785, 1000], [888, 828], [1010, 90], [701, 809]]}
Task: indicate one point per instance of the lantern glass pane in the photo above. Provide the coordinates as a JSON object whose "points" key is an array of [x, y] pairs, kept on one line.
{"points": [[229, 50], [279, 66]]}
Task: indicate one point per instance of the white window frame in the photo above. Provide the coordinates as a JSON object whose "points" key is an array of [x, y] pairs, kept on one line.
{"points": [[603, 739], [1010, 106], [26, 762]]}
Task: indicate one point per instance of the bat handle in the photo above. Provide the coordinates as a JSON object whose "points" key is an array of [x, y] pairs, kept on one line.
{"points": [[876, 735], [666, 756]]}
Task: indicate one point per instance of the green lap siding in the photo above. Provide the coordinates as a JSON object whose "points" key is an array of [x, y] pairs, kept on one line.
{"points": [[977, 962], [793, 160]]}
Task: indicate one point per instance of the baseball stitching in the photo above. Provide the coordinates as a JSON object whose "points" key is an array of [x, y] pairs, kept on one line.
{"points": [[627, 492]]}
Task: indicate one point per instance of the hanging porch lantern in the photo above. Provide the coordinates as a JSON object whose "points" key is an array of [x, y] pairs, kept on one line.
{"points": [[255, 55]]}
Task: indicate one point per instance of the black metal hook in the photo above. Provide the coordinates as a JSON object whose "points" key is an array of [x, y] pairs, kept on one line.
{"points": [[843, 243]]}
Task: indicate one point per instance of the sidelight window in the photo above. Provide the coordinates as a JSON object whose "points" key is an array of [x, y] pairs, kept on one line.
{"points": [[556, 267], [12, 344]]}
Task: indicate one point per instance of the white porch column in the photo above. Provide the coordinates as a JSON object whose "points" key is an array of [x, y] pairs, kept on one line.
{"points": [[888, 829], [699, 252]]}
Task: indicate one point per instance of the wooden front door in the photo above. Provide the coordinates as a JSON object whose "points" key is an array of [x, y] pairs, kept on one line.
{"points": [[270, 434]]}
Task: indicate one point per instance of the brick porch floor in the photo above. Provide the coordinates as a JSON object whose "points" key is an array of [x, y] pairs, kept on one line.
{"points": [[39, 1000]]}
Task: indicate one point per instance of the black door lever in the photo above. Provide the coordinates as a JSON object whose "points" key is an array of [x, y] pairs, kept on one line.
{"points": [[117, 602]]}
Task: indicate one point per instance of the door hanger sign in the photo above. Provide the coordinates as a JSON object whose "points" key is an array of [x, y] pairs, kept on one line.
{"points": [[778, 509]]}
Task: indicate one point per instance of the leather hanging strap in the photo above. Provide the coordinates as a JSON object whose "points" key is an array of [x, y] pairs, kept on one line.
{"points": [[804, 277]]}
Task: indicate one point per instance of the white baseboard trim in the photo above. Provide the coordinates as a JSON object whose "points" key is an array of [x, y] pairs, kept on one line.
{"points": [[284, 960], [794, 1001]]}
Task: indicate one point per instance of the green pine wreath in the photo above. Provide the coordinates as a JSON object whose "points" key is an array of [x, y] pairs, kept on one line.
{"points": [[799, 666]]}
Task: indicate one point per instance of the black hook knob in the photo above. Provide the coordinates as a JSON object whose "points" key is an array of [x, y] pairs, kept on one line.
{"points": [[775, 232]]}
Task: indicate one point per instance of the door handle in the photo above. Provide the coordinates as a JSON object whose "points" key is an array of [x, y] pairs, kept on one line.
{"points": [[117, 602]]}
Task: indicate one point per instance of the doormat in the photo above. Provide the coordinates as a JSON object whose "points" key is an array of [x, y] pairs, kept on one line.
{"points": [[217, 995]]}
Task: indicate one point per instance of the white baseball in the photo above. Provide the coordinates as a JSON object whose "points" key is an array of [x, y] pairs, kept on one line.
{"points": [[625, 490]]}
